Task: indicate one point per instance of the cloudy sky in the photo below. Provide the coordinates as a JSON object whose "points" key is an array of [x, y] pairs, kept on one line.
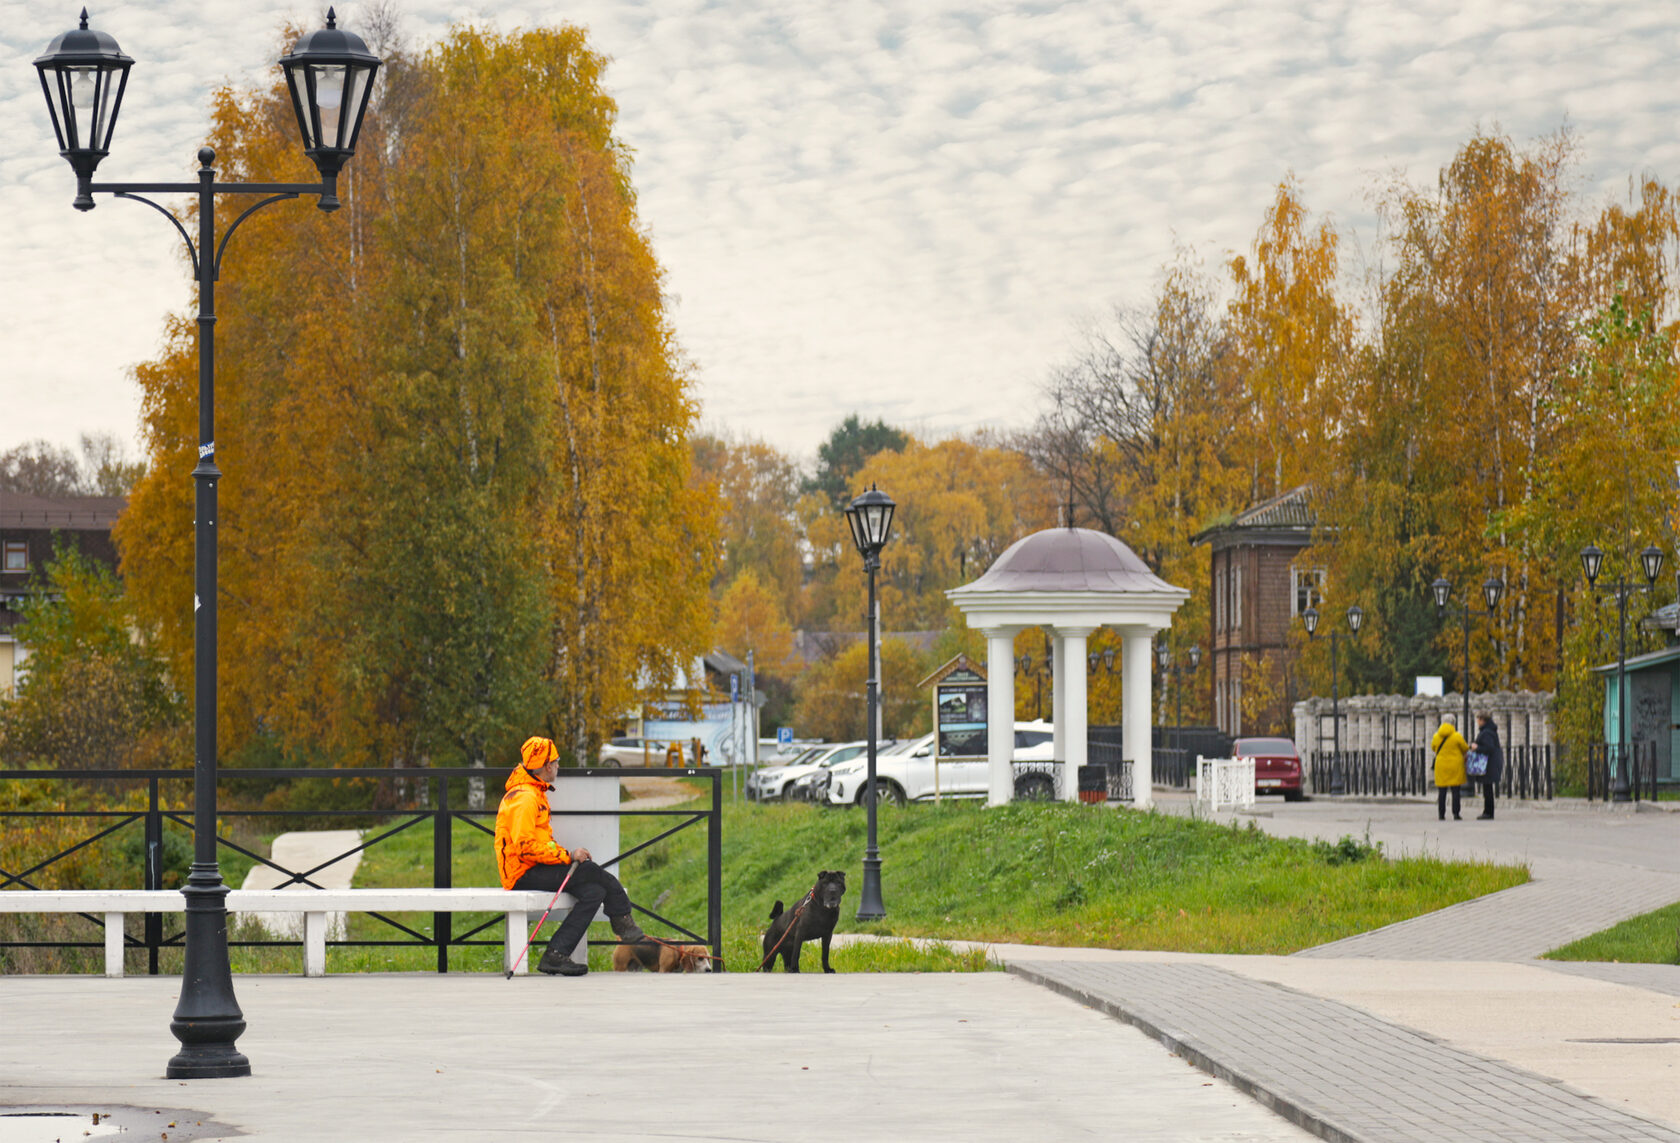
{"points": [[904, 208]]}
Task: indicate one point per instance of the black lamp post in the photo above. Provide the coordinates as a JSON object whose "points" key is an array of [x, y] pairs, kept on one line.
{"points": [[1492, 589], [1355, 617], [1592, 562], [1174, 670], [84, 74], [871, 517]]}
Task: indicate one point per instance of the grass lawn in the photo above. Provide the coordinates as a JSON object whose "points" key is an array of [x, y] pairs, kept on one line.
{"points": [[1028, 873], [1653, 938]]}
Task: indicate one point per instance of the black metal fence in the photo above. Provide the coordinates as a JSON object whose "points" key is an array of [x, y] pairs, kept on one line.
{"points": [[1526, 774], [1610, 764], [428, 790]]}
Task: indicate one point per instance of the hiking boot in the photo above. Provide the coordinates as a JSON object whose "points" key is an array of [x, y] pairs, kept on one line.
{"points": [[626, 930], [560, 964]]}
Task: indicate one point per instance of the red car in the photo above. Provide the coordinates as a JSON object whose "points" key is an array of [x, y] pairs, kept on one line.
{"points": [[1277, 765]]}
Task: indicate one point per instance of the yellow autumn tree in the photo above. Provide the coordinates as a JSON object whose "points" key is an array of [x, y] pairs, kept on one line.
{"points": [[443, 414]]}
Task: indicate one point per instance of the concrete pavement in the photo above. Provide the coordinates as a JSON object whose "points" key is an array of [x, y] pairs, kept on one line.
{"points": [[1411, 1033]]}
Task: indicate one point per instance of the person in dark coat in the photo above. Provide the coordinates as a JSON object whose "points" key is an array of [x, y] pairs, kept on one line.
{"points": [[1487, 741]]}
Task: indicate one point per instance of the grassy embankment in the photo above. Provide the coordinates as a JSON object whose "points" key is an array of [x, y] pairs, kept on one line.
{"points": [[1651, 938], [1042, 874]]}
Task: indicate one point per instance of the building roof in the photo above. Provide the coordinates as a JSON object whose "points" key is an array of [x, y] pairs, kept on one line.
{"points": [[1640, 662], [1289, 512], [1066, 560], [61, 513]]}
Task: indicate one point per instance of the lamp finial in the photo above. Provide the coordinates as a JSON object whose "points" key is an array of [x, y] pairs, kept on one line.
{"points": [[84, 19], [332, 18]]}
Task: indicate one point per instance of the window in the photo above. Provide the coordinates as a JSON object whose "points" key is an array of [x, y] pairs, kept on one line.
{"points": [[1236, 597], [1218, 599], [1306, 588], [17, 556]]}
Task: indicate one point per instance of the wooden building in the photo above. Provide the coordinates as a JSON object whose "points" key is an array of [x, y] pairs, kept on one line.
{"points": [[1260, 587]]}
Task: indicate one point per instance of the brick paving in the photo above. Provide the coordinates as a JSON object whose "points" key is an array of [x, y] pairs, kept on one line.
{"points": [[1566, 900], [1337, 1071]]}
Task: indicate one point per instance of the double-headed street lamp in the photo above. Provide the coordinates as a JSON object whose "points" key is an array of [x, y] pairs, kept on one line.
{"points": [[871, 517], [330, 75], [1492, 588], [1592, 562], [1170, 669], [1355, 617]]}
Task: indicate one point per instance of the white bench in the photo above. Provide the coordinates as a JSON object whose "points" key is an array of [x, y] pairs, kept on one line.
{"points": [[314, 904]]}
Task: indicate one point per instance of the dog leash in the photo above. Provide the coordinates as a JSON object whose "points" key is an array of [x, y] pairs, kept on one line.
{"points": [[570, 869], [792, 921]]}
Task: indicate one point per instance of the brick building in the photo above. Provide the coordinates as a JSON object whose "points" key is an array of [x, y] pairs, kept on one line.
{"points": [[1259, 586], [29, 527]]}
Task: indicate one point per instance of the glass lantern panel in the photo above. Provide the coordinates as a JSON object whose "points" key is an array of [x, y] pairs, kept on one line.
{"points": [[854, 517], [329, 99], [355, 93]]}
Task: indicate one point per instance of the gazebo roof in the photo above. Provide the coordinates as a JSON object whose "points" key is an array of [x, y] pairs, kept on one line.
{"points": [[1067, 560]]}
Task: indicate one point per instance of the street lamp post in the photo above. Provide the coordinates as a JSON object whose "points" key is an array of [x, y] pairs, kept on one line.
{"points": [[1173, 670], [871, 517], [1355, 616], [1592, 562], [1492, 589], [330, 75]]}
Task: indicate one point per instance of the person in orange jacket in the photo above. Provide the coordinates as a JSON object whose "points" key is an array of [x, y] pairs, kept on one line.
{"points": [[528, 857]]}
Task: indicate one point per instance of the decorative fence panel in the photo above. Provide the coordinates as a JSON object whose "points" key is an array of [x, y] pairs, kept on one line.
{"points": [[1527, 773], [409, 798], [1225, 782]]}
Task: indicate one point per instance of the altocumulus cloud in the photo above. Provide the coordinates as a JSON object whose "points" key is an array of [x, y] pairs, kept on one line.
{"points": [[900, 208]]}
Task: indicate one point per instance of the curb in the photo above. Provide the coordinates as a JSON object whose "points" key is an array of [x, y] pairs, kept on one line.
{"points": [[1291, 1109]]}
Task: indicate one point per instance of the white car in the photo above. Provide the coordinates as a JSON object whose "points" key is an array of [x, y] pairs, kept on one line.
{"points": [[773, 782], [909, 773]]}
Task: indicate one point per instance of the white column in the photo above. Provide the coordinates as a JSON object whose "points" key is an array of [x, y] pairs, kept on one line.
{"points": [[1071, 710], [1058, 698], [113, 944], [1135, 705], [1000, 714]]}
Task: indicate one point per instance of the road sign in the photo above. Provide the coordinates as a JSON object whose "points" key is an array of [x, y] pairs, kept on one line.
{"points": [[784, 736]]}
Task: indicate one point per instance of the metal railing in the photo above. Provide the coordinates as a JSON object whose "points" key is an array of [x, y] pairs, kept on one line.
{"points": [[1527, 773], [1604, 764], [429, 788]]}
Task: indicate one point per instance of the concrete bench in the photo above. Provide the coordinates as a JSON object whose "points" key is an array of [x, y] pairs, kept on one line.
{"points": [[314, 904]]}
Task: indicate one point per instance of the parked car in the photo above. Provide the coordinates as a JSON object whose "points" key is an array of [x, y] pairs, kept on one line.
{"points": [[1277, 765], [909, 774], [772, 782], [629, 752]]}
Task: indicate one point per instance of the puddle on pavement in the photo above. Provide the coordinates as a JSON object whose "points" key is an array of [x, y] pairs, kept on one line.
{"points": [[54, 1127]]}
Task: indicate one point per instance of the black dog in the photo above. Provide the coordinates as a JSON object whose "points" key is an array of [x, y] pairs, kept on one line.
{"points": [[813, 917]]}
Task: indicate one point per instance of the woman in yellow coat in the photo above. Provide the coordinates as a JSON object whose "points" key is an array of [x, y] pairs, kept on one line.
{"points": [[1450, 748]]}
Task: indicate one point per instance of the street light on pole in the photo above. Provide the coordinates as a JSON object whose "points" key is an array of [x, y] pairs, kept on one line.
{"points": [[1355, 617], [871, 517], [1492, 588], [330, 76], [1592, 562], [1173, 671]]}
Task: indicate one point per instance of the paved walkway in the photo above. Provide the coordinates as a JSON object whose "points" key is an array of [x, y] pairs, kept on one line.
{"points": [[1431, 1044], [1336, 1069]]}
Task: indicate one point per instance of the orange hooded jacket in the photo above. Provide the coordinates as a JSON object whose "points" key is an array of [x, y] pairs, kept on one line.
{"points": [[523, 835]]}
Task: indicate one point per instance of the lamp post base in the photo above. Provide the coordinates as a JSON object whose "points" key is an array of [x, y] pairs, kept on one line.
{"points": [[870, 907], [215, 1060], [207, 1017]]}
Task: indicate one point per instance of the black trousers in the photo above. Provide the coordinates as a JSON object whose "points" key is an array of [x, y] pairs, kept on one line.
{"points": [[591, 886], [1441, 800], [1487, 796]]}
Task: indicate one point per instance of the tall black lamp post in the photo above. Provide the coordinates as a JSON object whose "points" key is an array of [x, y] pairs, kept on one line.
{"points": [[871, 517], [1492, 588], [1592, 562], [84, 74], [1174, 670], [1355, 617]]}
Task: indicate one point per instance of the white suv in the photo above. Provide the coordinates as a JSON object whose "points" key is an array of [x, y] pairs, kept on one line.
{"points": [[773, 782], [908, 773]]}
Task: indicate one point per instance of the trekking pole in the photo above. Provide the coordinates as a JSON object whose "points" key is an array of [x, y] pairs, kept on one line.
{"points": [[569, 871]]}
